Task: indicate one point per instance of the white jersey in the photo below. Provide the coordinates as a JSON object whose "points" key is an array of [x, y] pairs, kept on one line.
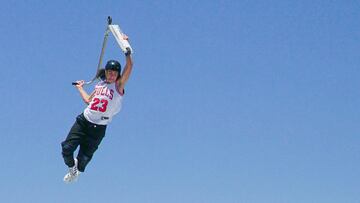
{"points": [[105, 103]]}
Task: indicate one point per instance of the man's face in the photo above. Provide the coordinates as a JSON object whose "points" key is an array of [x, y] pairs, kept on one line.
{"points": [[111, 75]]}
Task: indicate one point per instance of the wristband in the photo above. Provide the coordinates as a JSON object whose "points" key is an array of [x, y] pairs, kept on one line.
{"points": [[128, 51]]}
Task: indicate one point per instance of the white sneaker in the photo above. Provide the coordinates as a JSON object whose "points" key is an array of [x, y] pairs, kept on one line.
{"points": [[73, 173]]}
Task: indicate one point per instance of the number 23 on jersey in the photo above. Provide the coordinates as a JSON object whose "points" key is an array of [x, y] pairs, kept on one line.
{"points": [[99, 105]]}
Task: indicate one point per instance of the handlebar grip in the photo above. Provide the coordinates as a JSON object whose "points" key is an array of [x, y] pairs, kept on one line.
{"points": [[109, 19]]}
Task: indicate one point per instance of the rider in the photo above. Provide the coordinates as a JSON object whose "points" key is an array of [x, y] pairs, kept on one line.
{"points": [[90, 126]]}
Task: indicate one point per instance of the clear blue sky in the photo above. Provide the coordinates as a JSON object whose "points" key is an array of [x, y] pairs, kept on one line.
{"points": [[229, 101]]}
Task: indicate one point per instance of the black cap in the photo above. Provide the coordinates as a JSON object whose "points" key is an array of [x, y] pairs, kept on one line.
{"points": [[113, 65]]}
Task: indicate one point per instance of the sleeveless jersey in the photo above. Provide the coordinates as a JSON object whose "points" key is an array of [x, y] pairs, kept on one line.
{"points": [[106, 102]]}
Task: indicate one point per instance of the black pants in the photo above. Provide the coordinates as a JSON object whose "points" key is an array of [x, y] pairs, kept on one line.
{"points": [[88, 136]]}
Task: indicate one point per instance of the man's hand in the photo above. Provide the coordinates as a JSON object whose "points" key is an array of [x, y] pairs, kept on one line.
{"points": [[80, 84]]}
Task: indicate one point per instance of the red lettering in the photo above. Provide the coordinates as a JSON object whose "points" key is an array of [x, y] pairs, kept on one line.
{"points": [[103, 91], [111, 94], [103, 105]]}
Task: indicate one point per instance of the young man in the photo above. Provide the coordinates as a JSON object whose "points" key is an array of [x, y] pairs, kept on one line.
{"points": [[90, 126]]}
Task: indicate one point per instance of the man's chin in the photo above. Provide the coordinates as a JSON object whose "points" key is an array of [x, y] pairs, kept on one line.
{"points": [[111, 80]]}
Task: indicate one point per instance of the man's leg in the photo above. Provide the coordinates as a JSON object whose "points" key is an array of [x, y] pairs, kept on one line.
{"points": [[87, 148], [71, 142]]}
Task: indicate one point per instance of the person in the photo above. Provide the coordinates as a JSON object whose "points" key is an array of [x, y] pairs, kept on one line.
{"points": [[90, 126]]}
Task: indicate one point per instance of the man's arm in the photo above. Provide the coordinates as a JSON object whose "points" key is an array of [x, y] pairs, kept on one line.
{"points": [[125, 75], [84, 95], [127, 71]]}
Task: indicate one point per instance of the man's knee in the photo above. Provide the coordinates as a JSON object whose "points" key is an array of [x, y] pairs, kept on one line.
{"points": [[67, 148]]}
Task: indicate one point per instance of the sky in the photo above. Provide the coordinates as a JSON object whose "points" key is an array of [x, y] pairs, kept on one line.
{"points": [[228, 102]]}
